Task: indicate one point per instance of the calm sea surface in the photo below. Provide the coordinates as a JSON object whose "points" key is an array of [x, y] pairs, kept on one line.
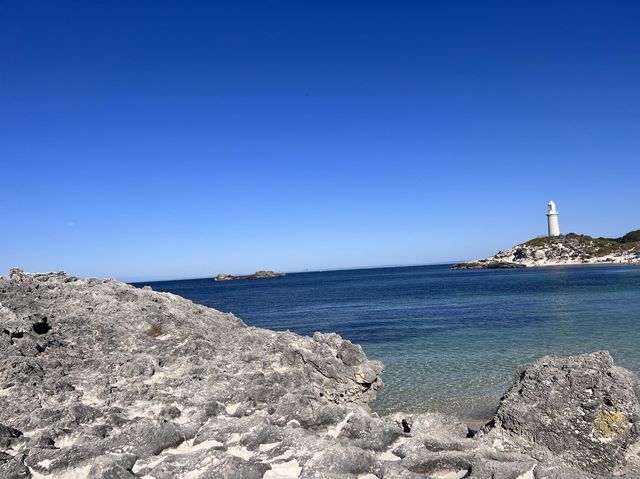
{"points": [[450, 340]]}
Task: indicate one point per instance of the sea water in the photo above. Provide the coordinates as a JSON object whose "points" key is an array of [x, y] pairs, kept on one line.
{"points": [[450, 339]]}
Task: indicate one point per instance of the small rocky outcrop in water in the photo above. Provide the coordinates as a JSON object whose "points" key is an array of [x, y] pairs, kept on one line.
{"points": [[99, 379], [256, 275]]}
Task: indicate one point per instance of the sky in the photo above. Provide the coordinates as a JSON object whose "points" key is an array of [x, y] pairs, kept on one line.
{"points": [[159, 140]]}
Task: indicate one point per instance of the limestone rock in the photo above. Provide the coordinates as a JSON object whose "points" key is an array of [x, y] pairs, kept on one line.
{"points": [[91, 370], [113, 466], [582, 409], [12, 467]]}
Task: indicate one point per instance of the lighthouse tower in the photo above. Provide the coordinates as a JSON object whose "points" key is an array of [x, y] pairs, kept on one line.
{"points": [[552, 219]]}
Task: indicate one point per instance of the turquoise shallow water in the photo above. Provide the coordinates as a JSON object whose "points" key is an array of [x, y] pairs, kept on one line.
{"points": [[450, 340]]}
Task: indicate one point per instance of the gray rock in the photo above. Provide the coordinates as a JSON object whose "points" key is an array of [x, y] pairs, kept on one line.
{"points": [[555, 471], [113, 466], [583, 410], [500, 469], [46, 461], [93, 368], [13, 467], [8, 436]]}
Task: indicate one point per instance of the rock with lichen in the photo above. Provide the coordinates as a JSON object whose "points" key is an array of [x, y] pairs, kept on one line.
{"points": [[583, 410]]}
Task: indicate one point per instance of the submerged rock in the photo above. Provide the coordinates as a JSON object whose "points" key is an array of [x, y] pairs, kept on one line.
{"points": [[103, 380]]}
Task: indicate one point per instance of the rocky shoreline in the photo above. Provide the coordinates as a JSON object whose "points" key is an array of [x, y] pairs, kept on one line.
{"points": [[569, 249], [100, 379]]}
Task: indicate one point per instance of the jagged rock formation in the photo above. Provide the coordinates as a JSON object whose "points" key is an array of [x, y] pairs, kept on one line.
{"points": [[103, 380], [91, 367], [562, 250]]}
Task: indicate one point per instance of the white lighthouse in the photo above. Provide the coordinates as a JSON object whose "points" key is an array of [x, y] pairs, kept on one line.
{"points": [[552, 219]]}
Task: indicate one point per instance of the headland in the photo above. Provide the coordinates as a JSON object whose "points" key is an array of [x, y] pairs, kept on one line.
{"points": [[569, 249]]}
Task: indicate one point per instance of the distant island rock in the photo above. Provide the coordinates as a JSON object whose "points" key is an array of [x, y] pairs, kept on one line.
{"points": [[256, 275], [563, 250]]}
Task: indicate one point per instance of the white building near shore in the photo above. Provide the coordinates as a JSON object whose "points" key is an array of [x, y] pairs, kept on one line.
{"points": [[552, 220]]}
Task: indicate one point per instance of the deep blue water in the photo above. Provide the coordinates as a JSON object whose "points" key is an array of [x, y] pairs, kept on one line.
{"points": [[450, 340]]}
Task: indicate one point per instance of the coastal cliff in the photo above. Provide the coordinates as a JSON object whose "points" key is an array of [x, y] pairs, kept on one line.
{"points": [[103, 380], [563, 250]]}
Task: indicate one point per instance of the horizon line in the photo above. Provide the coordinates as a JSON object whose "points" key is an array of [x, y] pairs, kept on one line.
{"points": [[349, 268]]}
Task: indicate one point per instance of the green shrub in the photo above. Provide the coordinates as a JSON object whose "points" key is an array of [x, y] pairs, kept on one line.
{"points": [[630, 237]]}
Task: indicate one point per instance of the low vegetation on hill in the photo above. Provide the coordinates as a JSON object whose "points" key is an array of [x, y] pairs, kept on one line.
{"points": [[570, 248], [592, 246]]}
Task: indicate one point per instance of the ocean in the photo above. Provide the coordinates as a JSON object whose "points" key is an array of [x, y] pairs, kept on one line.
{"points": [[450, 339]]}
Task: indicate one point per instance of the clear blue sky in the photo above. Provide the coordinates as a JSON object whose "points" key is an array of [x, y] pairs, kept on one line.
{"points": [[154, 139]]}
